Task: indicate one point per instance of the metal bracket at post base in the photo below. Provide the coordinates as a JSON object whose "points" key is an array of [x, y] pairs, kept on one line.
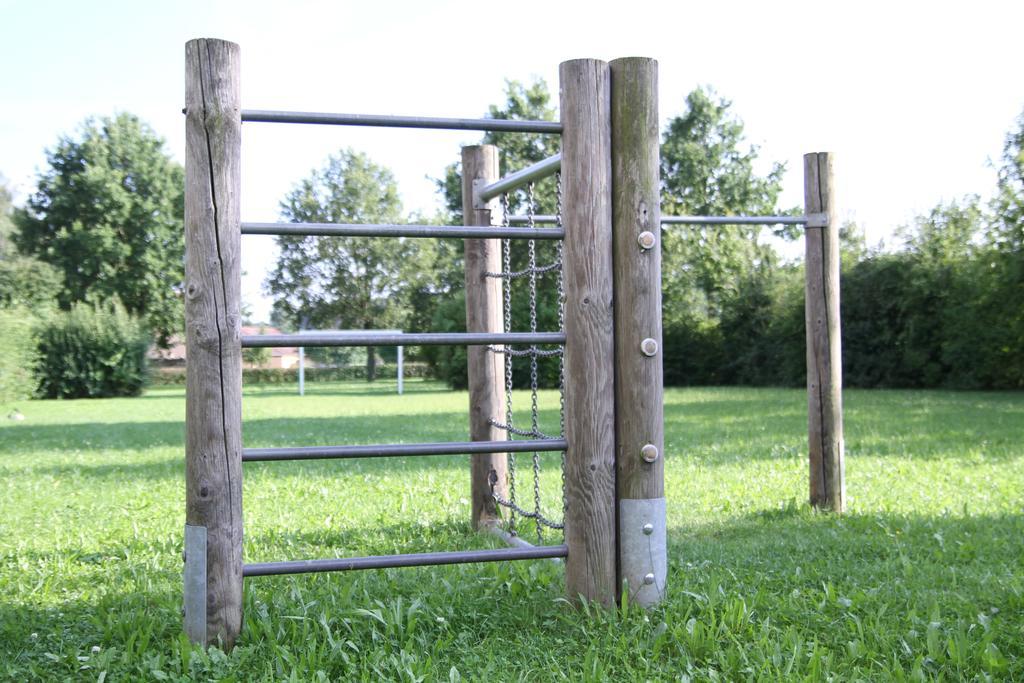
{"points": [[643, 551], [195, 583]]}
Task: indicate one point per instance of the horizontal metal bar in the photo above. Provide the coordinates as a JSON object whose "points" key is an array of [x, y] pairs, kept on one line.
{"points": [[540, 219], [401, 449], [253, 341], [397, 230], [411, 560], [814, 220], [541, 169], [385, 121], [734, 220], [517, 541]]}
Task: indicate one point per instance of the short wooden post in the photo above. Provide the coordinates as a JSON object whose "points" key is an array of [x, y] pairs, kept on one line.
{"points": [[213, 419], [484, 310], [639, 421], [824, 352], [589, 353]]}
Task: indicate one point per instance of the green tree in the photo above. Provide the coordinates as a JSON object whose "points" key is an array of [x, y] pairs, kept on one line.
{"points": [[517, 150], [107, 213], [1005, 300], [24, 281], [707, 169], [353, 282]]}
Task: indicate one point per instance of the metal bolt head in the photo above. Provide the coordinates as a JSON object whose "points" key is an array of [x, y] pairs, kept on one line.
{"points": [[649, 452], [648, 579], [648, 529], [646, 240], [649, 346]]}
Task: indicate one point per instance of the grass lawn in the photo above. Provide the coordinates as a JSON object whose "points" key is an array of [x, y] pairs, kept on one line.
{"points": [[923, 579]]}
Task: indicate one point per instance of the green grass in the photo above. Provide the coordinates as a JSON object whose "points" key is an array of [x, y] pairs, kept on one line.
{"points": [[923, 579]]}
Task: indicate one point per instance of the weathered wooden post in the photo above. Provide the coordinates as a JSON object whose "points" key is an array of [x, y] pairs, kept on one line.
{"points": [[484, 314], [639, 422], [824, 352], [213, 419], [589, 352]]}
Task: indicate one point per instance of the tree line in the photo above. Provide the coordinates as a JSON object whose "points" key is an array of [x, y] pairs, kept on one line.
{"points": [[101, 238]]}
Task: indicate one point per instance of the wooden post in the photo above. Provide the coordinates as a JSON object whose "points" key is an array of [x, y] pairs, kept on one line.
{"points": [[639, 422], [589, 352], [824, 353], [213, 419], [484, 314]]}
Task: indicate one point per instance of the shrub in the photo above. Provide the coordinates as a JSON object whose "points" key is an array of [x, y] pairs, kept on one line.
{"points": [[92, 352], [19, 358]]}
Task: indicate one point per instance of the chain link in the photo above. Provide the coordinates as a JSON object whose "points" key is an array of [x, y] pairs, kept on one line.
{"points": [[534, 412], [533, 353], [561, 327], [520, 353], [506, 263]]}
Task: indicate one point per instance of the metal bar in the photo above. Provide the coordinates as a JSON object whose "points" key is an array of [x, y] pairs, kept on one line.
{"points": [[410, 560], [388, 230], [403, 449], [382, 121], [254, 341], [733, 220], [541, 169]]}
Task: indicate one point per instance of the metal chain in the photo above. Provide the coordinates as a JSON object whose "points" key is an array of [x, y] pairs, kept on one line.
{"points": [[533, 433], [506, 262], [540, 270], [561, 326], [534, 412], [531, 271], [518, 353], [540, 518]]}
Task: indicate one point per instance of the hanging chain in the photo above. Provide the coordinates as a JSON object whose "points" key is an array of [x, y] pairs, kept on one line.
{"points": [[506, 262], [561, 326], [533, 353], [534, 412]]}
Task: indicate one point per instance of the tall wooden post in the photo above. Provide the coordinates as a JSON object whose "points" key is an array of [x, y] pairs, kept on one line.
{"points": [[639, 421], [824, 352], [484, 314], [589, 353], [213, 419]]}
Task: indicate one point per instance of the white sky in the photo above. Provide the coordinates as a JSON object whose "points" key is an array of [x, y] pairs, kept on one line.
{"points": [[913, 97]]}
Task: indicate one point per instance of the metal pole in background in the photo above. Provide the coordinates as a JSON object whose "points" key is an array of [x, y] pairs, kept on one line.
{"points": [[401, 377]]}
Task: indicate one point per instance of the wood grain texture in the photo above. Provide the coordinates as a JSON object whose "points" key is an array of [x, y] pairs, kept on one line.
{"points": [[484, 311], [213, 447], [636, 208], [589, 353], [639, 420], [824, 352]]}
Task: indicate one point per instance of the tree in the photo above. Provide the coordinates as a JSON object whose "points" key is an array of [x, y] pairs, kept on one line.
{"points": [[24, 281], [353, 282], [107, 214], [707, 169], [517, 150]]}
